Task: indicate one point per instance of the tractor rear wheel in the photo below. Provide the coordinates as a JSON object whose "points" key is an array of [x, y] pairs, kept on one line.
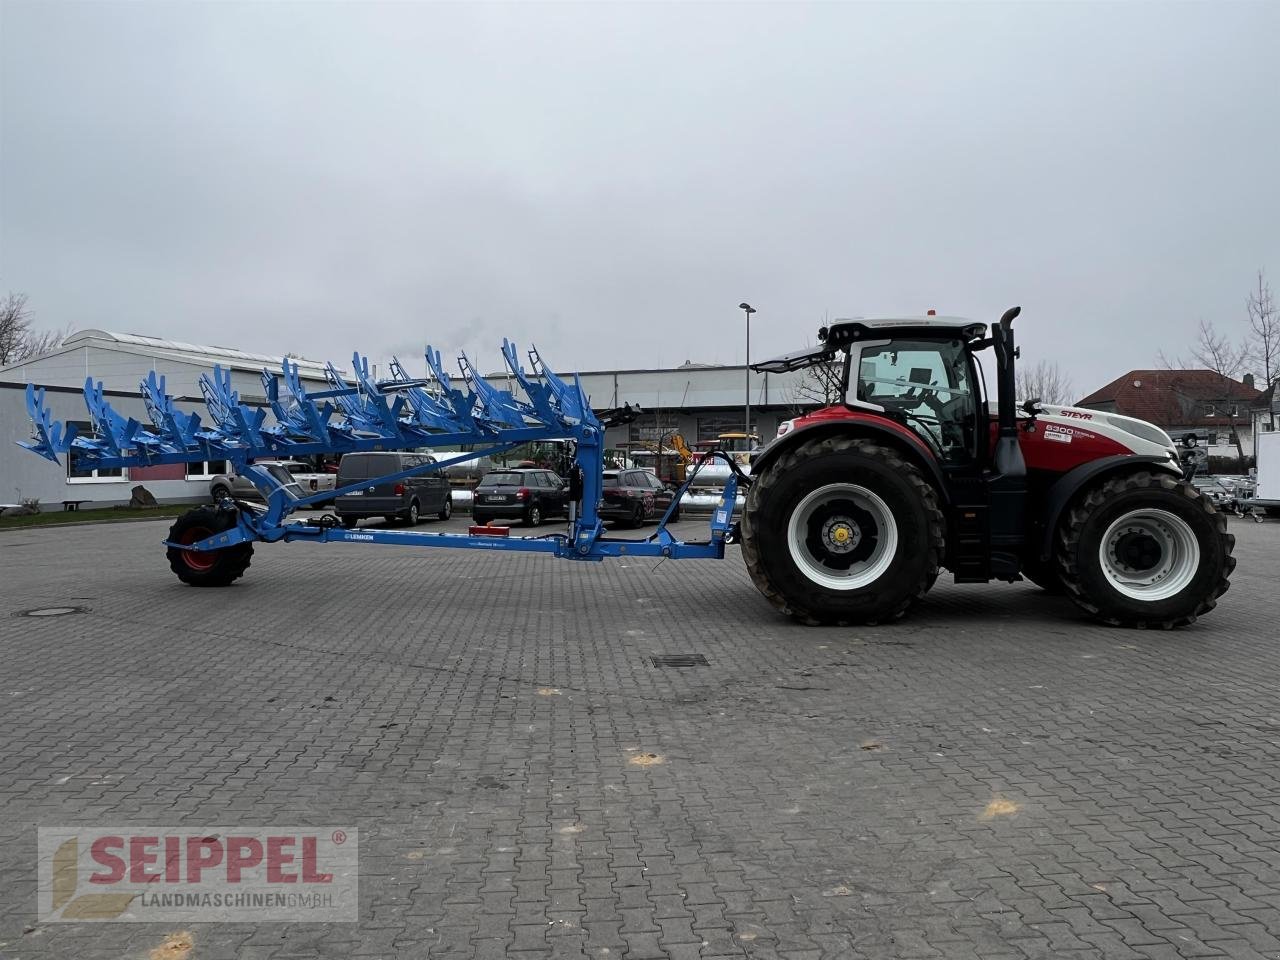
{"points": [[841, 531], [213, 568], [1145, 550]]}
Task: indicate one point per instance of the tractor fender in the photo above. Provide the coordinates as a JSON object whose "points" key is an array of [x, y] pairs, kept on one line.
{"points": [[877, 428], [1074, 480]]}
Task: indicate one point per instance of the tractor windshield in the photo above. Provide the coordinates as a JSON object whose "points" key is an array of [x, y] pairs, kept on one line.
{"points": [[926, 382]]}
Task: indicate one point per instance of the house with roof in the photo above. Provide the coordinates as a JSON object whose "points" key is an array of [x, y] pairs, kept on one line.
{"points": [[1266, 410], [1216, 410]]}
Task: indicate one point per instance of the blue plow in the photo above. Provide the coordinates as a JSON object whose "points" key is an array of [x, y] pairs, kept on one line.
{"points": [[363, 413]]}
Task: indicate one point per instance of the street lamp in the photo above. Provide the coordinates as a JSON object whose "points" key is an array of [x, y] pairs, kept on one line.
{"points": [[748, 309]]}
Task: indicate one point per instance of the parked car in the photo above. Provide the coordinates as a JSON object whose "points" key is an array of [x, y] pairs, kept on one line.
{"points": [[238, 487], [241, 488], [528, 495], [635, 497], [407, 500], [314, 481]]}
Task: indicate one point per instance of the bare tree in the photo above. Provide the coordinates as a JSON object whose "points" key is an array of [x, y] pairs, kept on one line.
{"points": [[1046, 382], [1264, 335], [1214, 351], [18, 339], [817, 386]]}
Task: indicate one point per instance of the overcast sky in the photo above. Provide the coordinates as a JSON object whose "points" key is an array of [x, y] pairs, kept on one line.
{"points": [[611, 180]]}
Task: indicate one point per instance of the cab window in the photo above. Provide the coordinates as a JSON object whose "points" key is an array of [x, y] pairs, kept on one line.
{"points": [[927, 384]]}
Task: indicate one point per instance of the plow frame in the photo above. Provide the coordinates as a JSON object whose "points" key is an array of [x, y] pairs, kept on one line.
{"points": [[375, 415]]}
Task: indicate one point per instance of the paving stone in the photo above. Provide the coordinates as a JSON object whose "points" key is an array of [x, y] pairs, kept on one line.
{"points": [[993, 777]]}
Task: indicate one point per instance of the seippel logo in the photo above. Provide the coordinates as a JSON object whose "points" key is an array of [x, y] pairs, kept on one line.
{"points": [[66, 883], [168, 874]]}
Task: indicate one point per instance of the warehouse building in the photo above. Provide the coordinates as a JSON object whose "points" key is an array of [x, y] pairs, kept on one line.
{"points": [[698, 401], [120, 361]]}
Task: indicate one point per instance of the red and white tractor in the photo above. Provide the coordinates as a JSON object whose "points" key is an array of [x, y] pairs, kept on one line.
{"points": [[856, 507]]}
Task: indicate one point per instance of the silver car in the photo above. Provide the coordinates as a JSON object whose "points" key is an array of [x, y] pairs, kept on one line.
{"points": [[298, 476]]}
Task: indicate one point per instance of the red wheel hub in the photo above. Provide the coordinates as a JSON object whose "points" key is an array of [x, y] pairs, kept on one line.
{"points": [[194, 559]]}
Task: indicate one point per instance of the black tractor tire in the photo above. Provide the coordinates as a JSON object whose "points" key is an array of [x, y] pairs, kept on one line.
{"points": [[912, 503], [217, 568], [1080, 542], [1044, 575], [348, 521], [446, 509]]}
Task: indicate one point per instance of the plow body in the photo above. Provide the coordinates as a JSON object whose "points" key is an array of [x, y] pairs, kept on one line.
{"points": [[364, 414]]}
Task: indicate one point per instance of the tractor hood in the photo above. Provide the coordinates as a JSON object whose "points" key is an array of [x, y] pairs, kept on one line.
{"points": [[1138, 435]]}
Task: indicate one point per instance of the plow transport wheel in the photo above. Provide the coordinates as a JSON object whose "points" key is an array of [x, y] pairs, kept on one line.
{"points": [[215, 568]]}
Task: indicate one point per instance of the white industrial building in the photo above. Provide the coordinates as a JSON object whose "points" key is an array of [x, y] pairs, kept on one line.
{"points": [[698, 401], [120, 361]]}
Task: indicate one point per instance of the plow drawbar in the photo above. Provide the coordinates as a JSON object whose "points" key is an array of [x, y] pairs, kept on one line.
{"points": [[359, 415]]}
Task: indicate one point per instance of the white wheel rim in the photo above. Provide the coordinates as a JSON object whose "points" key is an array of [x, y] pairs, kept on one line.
{"points": [[842, 536], [1149, 555]]}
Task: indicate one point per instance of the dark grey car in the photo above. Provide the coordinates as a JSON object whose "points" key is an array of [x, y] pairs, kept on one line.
{"points": [[522, 494], [407, 500]]}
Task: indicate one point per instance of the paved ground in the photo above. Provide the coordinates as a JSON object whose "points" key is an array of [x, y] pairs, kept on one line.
{"points": [[994, 777]]}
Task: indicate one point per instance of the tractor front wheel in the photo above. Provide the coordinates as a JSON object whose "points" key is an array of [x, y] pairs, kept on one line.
{"points": [[842, 531], [211, 568], [1145, 550], [1044, 575]]}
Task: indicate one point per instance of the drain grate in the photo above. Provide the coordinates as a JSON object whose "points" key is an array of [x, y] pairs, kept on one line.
{"points": [[51, 611], [680, 660]]}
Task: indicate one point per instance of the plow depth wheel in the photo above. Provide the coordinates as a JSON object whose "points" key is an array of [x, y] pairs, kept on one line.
{"points": [[213, 568], [840, 531], [1145, 550]]}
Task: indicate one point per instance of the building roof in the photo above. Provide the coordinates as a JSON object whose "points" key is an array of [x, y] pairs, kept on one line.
{"points": [[173, 350], [196, 352], [1268, 399], [1173, 397]]}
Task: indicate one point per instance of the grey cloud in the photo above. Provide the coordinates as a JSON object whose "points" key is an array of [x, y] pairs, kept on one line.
{"points": [[610, 180]]}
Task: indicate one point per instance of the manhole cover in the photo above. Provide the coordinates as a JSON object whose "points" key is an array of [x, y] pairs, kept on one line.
{"points": [[680, 660], [51, 611]]}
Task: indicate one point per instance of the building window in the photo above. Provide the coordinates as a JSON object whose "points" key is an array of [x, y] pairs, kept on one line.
{"points": [[78, 473], [207, 469], [1210, 410]]}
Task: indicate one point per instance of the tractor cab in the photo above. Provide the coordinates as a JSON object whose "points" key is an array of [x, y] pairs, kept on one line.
{"points": [[918, 372]]}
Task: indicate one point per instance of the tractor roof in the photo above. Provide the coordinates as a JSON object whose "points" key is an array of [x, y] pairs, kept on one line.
{"points": [[843, 331]]}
